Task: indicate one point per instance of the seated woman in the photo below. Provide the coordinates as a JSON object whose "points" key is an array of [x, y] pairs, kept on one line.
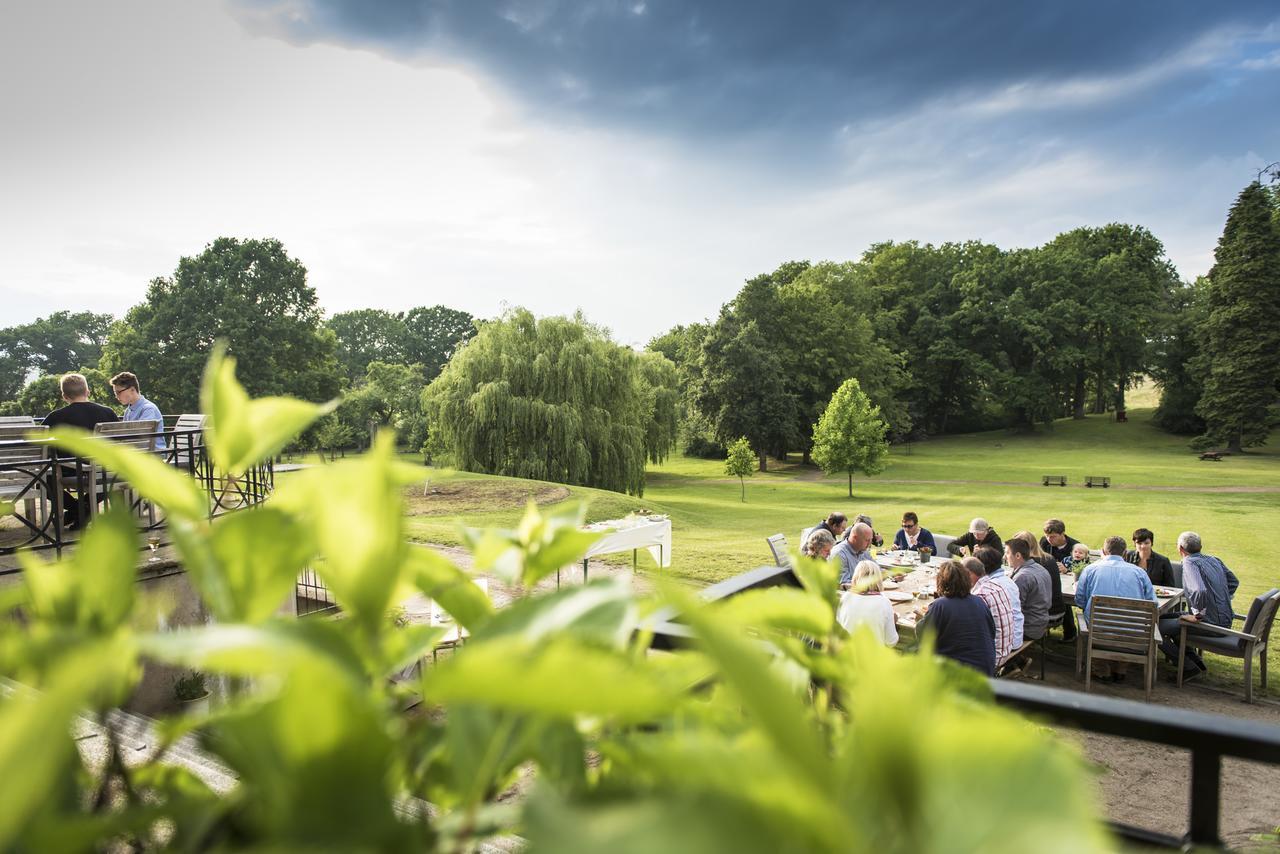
{"points": [[819, 544], [1156, 565], [961, 624], [866, 605]]}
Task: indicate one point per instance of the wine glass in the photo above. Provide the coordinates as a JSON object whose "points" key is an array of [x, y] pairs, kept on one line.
{"points": [[153, 543]]}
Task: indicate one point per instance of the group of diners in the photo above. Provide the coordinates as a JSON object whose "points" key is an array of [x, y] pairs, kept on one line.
{"points": [[995, 595]]}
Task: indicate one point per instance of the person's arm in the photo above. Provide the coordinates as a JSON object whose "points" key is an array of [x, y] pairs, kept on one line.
{"points": [[956, 546], [891, 625], [1193, 587], [900, 540], [1148, 589], [1232, 581], [1083, 585]]}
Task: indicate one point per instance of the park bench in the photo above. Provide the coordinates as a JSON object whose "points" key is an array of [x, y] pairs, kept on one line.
{"points": [[778, 545], [1215, 456], [1055, 480], [1093, 480], [17, 421]]}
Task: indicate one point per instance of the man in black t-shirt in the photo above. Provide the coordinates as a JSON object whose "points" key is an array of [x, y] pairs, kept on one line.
{"points": [[85, 414]]}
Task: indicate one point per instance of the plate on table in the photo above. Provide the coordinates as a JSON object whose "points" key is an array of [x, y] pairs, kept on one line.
{"points": [[898, 596], [889, 584], [1167, 591]]}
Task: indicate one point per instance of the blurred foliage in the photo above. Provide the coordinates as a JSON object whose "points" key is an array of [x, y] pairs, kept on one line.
{"points": [[776, 732]]}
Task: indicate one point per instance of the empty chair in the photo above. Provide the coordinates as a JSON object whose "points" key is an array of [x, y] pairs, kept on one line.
{"points": [[1250, 641], [16, 421], [1119, 629], [22, 484], [778, 545], [140, 435], [184, 441], [942, 541]]}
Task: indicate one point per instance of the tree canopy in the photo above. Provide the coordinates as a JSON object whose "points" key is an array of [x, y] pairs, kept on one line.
{"points": [[248, 292], [64, 341], [553, 399], [1239, 365], [850, 435], [740, 462], [425, 336]]}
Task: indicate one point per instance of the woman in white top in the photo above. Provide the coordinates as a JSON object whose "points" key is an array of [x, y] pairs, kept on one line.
{"points": [[865, 605]]}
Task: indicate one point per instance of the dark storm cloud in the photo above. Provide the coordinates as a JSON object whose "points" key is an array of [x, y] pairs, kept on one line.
{"points": [[726, 67]]}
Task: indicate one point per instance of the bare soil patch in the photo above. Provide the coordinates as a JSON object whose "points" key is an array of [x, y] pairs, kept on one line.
{"points": [[478, 496]]}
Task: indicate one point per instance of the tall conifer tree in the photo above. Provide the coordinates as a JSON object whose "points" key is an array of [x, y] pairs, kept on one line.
{"points": [[1239, 362]]}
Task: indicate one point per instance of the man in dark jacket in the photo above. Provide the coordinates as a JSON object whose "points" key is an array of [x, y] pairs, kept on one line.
{"points": [[980, 534]]}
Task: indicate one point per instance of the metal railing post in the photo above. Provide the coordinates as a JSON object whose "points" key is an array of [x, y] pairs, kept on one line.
{"points": [[1205, 807]]}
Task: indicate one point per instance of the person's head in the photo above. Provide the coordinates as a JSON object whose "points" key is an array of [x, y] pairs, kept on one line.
{"points": [[866, 578], [1055, 531], [953, 580], [975, 567], [74, 387], [1189, 543], [1016, 551], [1079, 552], [860, 536], [864, 519], [1037, 554], [989, 556], [1113, 546], [125, 386], [1143, 540], [837, 522], [979, 528], [819, 544], [910, 522]]}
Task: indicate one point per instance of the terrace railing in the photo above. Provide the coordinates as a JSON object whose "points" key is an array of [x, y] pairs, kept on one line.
{"points": [[1206, 737], [36, 485]]}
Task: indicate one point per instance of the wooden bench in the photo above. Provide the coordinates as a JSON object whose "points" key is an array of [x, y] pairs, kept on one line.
{"points": [[1055, 480], [15, 483], [1093, 480], [1215, 456]]}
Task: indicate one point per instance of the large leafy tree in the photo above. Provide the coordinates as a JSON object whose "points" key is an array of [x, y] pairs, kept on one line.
{"points": [[550, 399], [248, 292], [61, 342], [850, 435], [1239, 365], [433, 335], [1175, 353], [368, 335], [44, 394]]}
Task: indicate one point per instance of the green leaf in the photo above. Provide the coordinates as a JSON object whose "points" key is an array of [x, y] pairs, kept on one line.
{"points": [[602, 612], [560, 678], [781, 608], [93, 589], [437, 577], [273, 648], [539, 547], [408, 644], [258, 554], [245, 432], [146, 475]]}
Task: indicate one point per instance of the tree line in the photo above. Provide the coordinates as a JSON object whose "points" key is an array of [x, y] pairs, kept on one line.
{"points": [[967, 336]]}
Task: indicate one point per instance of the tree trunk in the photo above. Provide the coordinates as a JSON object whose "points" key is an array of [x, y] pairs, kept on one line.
{"points": [[743, 481], [1233, 444], [1120, 396], [850, 484], [764, 462], [1078, 409], [808, 457]]}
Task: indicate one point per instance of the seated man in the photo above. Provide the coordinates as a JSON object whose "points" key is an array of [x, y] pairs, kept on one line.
{"points": [[1061, 548], [980, 534], [852, 551], [137, 407], [990, 559], [911, 536], [997, 603], [1112, 576], [835, 524], [1035, 588], [1208, 586], [85, 414]]}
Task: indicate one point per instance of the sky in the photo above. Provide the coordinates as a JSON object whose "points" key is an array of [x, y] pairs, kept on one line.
{"points": [[636, 160]]}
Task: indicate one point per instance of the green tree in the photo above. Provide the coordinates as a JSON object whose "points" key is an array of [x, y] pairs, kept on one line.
{"points": [[55, 344], [850, 436], [549, 399], [1239, 365], [1175, 353], [368, 335], [434, 334], [250, 293], [740, 463]]}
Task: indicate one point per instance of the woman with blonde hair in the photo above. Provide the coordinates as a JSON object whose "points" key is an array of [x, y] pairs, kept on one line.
{"points": [[865, 605]]}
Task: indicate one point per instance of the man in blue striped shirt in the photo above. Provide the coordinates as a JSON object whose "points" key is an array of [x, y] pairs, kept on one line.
{"points": [[137, 407], [1208, 586]]}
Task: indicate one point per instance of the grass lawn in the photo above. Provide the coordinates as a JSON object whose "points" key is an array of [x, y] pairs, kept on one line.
{"points": [[947, 481]]}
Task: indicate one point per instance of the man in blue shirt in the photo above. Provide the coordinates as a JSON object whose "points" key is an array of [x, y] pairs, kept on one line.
{"points": [[1208, 586], [1112, 576], [137, 407]]}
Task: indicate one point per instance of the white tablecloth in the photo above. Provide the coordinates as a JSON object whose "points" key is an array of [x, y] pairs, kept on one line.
{"points": [[652, 535]]}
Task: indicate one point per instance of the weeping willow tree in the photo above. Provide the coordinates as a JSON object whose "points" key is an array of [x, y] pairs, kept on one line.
{"points": [[554, 399]]}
